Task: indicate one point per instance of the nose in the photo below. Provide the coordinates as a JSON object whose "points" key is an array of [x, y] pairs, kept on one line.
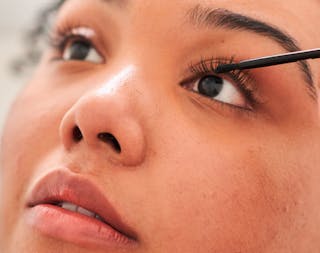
{"points": [[106, 120]]}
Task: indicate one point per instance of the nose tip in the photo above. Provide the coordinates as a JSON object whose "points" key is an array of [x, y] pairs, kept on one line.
{"points": [[103, 123]]}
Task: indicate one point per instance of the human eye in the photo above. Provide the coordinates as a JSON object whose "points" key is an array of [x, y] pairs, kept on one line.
{"points": [[75, 44], [231, 89]]}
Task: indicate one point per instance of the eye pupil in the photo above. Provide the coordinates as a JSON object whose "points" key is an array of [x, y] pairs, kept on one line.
{"points": [[79, 50], [210, 86]]}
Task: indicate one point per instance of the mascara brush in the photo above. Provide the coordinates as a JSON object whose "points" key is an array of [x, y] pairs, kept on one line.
{"points": [[270, 60]]}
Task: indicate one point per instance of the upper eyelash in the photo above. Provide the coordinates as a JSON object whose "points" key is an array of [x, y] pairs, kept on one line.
{"points": [[204, 67], [241, 78]]}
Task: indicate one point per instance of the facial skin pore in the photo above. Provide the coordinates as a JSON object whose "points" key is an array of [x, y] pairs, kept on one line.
{"points": [[193, 174]]}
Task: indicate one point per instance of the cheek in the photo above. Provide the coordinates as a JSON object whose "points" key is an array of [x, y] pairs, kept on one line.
{"points": [[32, 127], [228, 196], [28, 136], [28, 132]]}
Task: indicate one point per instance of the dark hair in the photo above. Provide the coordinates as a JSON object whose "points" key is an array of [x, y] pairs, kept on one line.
{"points": [[35, 37]]}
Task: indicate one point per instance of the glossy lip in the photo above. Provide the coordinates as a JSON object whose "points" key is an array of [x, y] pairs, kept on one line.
{"points": [[62, 186]]}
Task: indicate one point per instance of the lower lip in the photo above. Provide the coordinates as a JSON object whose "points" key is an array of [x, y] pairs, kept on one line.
{"points": [[76, 228]]}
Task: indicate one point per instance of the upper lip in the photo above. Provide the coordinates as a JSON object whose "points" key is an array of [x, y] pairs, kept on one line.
{"points": [[61, 186]]}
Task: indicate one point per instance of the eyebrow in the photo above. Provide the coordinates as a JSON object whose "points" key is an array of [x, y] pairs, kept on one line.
{"points": [[207, 17]]}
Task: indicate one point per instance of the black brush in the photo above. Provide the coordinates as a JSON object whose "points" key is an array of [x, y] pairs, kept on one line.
{"points": [[270, 60]]}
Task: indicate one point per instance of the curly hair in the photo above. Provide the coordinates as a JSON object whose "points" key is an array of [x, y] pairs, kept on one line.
{"points": [[35, 37]]}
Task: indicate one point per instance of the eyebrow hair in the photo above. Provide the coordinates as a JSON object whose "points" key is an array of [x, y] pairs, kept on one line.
{"points": [[207, 17]]}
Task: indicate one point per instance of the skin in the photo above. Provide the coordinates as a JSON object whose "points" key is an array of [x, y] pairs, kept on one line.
{"points": [[194, 174]]}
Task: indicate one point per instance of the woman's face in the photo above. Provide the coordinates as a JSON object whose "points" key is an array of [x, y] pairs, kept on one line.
{"points": [[125, 118]]}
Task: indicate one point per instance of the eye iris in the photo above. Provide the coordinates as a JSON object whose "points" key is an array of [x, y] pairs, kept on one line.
{"points": [[210, 86], [79, 50]]}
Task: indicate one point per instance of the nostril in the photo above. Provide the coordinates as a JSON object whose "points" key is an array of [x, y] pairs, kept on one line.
{"points": [[77, 135], [110, 139]]}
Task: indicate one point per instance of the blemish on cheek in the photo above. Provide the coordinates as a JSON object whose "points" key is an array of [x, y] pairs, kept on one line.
{"points": [[117, 81]]}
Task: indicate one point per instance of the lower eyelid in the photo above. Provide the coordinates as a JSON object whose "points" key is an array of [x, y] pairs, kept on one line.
{"points": [[223, 109]]}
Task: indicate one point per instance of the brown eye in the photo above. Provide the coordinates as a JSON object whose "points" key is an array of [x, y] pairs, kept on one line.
{"points": [[81, 51]]}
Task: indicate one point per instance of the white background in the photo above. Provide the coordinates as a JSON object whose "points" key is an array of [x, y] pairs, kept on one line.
{"points": [[16, 16]]}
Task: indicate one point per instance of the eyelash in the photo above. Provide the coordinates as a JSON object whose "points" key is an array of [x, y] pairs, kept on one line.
{"points": [[242, 79]]}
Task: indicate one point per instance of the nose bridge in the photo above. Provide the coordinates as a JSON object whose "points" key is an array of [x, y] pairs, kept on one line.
{"points": [[118, 82], [106, 119]]}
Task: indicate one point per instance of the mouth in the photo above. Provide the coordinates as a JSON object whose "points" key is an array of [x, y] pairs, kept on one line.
{"points": [[72, 209]]}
